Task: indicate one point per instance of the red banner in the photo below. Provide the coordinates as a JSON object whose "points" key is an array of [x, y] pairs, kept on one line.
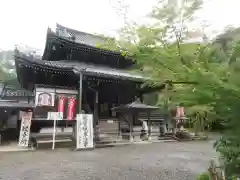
{"points": [[71, 108], [61, 103]]}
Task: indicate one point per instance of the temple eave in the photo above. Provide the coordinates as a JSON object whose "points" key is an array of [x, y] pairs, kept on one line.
{"points": [[42, 71], [76, 68]]}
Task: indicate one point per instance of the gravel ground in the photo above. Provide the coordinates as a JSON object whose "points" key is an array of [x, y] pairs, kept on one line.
{"points": [[157, 161]]}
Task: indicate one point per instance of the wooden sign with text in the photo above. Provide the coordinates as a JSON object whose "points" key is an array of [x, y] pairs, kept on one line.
{"points": [[25, 129]]}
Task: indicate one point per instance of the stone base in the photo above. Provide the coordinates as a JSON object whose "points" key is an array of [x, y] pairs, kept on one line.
{"points": [[131, 139]]}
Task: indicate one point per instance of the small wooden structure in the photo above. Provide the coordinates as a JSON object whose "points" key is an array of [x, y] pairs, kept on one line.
{"points": [[12, 101], [131, 111]]}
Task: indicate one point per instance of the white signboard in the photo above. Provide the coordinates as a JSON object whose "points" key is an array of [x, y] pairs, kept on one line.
{"points": [[25, 129], [84, 131], [55, 115]]}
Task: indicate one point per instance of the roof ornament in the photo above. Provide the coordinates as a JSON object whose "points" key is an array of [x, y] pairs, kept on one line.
{"points": [[64, 33]]}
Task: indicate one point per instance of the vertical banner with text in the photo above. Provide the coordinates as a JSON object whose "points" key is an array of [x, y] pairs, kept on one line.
{"points": [[71, 108], [84, 131], [25, 129], [61, 103]]}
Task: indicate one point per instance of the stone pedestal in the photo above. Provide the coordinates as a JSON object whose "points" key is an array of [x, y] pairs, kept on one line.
{"points": [[120, 137], [131, 139], [162, 129], [96, 133], [181, 128]]}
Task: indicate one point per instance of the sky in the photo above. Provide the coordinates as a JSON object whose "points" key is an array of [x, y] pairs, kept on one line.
{"points": [[26, 21]]}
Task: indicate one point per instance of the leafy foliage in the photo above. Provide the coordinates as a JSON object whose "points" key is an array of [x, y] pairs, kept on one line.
{"points": [[204, 176], [7, 67], [202, 77]]}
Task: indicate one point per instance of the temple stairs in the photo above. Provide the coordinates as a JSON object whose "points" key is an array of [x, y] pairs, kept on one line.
{"points": [[107, 131]]}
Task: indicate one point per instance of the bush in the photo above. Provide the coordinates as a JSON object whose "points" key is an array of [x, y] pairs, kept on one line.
{"points": [[204, 176]]}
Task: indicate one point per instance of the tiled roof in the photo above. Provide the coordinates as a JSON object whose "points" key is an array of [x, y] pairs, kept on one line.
{"points": [[77, 67], [57, 43], [16, 92], [94, 70], [79, 45], [12, 90], [79, 36], [135, 106]]}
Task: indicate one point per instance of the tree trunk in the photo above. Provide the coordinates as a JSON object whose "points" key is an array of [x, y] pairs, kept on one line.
{"points": [[197, 124]]}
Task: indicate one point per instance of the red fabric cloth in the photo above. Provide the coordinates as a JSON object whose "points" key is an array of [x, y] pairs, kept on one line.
{"points": [[61, 103], [71, 108]]}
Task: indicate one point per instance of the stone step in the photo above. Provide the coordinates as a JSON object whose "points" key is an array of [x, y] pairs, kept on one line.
{"points": [[48, 145]]}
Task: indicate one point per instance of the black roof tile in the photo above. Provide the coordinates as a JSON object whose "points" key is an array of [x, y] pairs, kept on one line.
{"points": [[77, 67], [16, 92], [135, 106], [79, 36]]}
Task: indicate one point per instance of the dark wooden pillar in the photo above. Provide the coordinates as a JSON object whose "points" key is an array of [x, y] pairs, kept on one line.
{"points": [[131, 119], [96, 105], [80, 103], [119, 117], [80, 91], [141, 98], [96, 116], [119, 126], [149, 124]]}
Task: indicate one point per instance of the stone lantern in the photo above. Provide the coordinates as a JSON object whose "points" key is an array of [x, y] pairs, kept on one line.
{"points": [[180, 117]]}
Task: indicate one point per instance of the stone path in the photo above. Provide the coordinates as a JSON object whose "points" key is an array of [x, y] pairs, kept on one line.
{"points": [[157, 161]]}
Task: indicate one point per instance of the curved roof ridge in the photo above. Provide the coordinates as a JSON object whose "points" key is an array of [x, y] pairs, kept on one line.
{"points": [[82, 32]]}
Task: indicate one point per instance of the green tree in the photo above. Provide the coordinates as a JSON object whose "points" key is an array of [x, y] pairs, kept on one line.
{"points": [[161, 49], [213, 89], [7, 67], [227, 44]]}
